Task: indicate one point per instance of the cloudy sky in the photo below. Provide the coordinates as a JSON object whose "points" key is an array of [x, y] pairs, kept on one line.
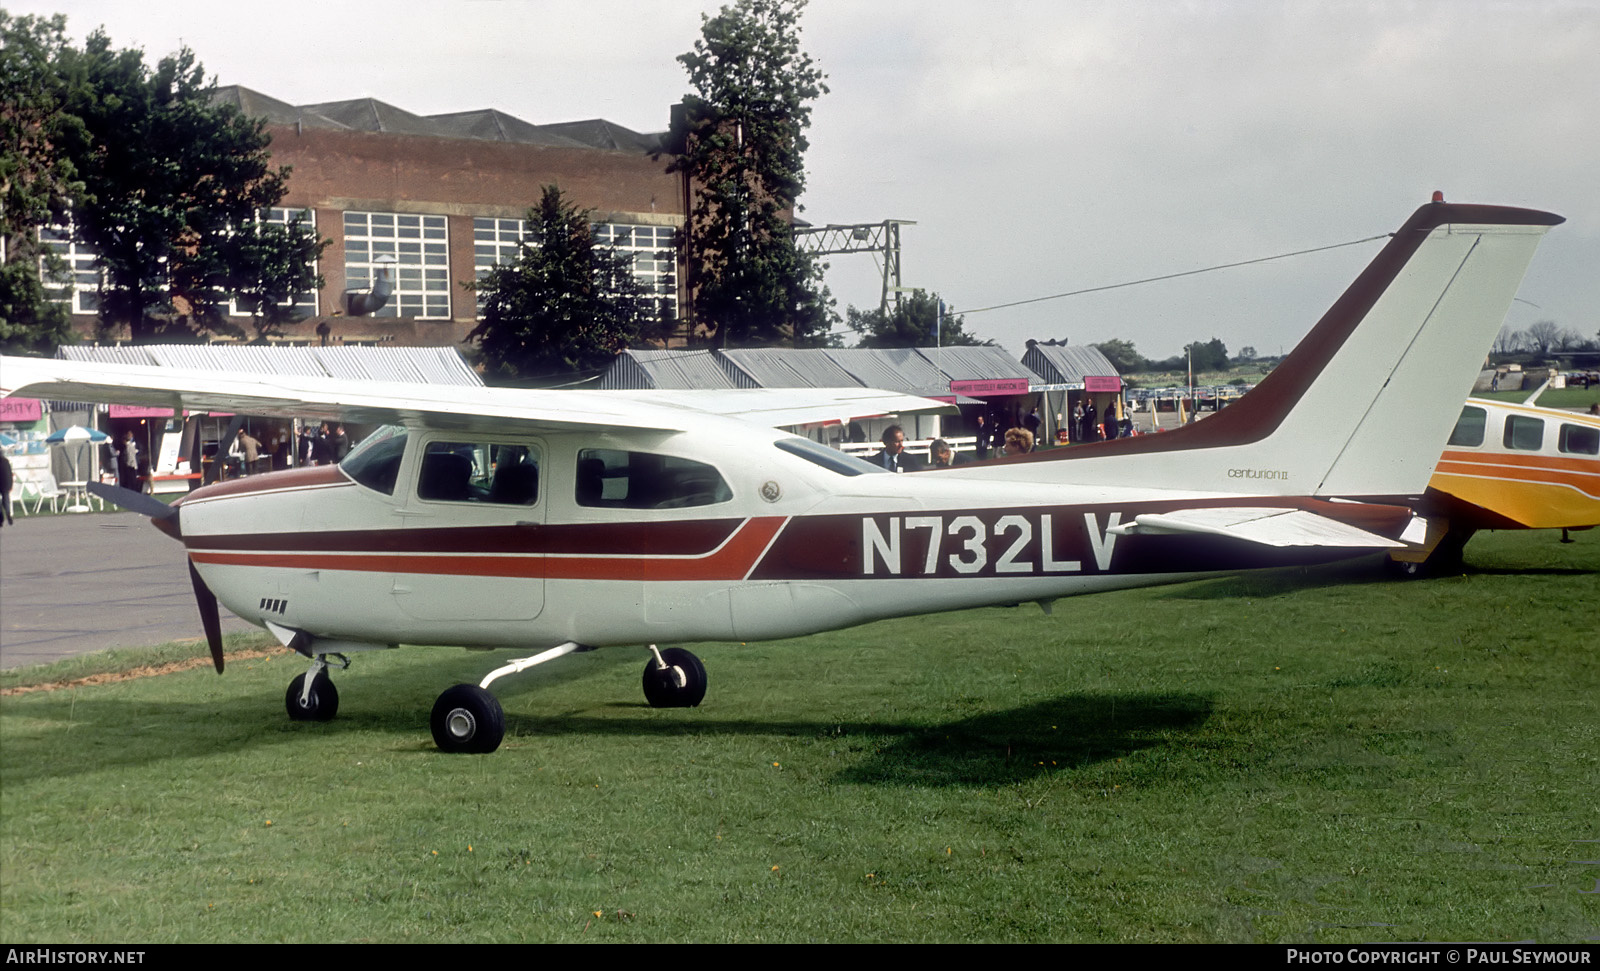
{"points": [[1041, 146]]}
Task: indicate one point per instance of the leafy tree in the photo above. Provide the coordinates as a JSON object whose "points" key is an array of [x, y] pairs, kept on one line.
{"points": [[169, 177], [36, 178], [564, 304], [1210, 356], [1123, 356], [911, 323], [264, 265], [1246, 354], [743, 148]]}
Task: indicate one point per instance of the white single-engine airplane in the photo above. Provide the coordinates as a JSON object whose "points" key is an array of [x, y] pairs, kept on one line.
{"points": [[567, 521]]}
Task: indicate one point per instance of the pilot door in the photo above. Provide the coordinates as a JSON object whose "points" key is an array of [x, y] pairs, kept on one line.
{"points": [[469, 549]]}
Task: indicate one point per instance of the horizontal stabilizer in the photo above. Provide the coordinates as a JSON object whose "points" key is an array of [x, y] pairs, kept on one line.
{"points": [[1266, 525]]}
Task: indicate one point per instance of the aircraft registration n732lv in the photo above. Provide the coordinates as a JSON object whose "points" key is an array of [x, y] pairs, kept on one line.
{"points": [[560, 521]]}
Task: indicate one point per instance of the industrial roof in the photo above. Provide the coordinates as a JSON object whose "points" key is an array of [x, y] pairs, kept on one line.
{"points": [[486, 124], [254, 104], [1067, 364], [976, 363], [770, 367], [491, 124], [668, 371], [415, 365], [892, 369]]}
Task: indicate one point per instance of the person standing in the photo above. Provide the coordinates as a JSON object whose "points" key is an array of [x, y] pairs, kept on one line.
{"points": [[128, 463], [6, 481]]}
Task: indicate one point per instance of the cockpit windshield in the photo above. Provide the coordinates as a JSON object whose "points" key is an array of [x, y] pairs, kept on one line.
{"points": [[375, 463]]}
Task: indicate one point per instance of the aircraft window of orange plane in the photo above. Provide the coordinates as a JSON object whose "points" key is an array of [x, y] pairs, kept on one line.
{"points": [[1469, 428], [1524, 433], [1580, 439]]}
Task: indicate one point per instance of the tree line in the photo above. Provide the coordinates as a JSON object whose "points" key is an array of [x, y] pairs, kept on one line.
{"points": [[140, 166]]}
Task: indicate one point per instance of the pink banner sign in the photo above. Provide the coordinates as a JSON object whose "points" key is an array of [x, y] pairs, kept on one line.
{"points": [[139, 411], [1092, 383], [990, 386], [20, 409]]}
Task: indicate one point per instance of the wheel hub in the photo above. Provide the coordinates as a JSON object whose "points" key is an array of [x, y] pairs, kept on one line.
{"points": [[461, 723]]}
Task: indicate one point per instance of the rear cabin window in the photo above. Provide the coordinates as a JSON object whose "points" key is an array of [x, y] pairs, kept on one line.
{"points": [[608, 478], [1580, 439], [1524, 433], [375, 463], [486, 472], [1469, 428]]}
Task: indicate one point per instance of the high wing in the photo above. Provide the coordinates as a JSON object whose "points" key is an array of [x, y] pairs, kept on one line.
{"points": [[438, 406], [1263, 525]]}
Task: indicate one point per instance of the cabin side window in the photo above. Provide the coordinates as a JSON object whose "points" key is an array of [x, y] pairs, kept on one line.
{"points": [[1580, 439], [609, 478], [484, 472], [1524, 433], [1468, 432], [375, 463]]}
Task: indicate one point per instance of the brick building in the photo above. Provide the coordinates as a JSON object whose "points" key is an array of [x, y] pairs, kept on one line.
{"points": [[443, 196]]}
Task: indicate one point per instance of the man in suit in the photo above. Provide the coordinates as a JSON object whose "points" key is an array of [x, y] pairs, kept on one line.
{"points": [[894, 457]]}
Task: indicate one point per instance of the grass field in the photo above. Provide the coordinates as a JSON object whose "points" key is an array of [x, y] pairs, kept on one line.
{"points": [[1576, 398], [1316, 756]]}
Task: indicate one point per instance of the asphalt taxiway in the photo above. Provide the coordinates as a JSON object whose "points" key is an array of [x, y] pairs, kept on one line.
{"points": [[77, 583]]}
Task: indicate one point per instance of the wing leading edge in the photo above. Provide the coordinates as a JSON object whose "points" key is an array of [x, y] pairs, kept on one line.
{"points": [[447, 406]]}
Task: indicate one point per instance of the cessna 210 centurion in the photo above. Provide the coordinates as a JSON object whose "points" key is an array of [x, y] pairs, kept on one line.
{"points": [[493, 518]]}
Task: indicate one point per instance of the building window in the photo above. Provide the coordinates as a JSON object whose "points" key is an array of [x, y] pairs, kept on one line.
{"points": [[655, 259], [304, 304], [652, 250], [420, 249], [494, 241], [79, 283]]}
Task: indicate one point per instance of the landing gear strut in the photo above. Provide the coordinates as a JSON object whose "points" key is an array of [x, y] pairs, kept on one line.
{"points": [[311, 696]]}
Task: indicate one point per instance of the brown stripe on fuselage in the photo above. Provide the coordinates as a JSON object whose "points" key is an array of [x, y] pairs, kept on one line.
{"points": [[1260, 411], [730, 561], [694, 538]]}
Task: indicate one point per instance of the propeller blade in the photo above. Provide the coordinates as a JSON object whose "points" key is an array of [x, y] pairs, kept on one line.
{"points": [[209, 618], [136, 501]]}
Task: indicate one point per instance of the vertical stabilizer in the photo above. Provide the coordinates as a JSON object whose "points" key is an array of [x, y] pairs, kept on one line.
{"points": [[1364, 403]]}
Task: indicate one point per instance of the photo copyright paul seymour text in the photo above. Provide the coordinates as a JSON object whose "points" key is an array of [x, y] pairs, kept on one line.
{"points": [[1453, 955]]}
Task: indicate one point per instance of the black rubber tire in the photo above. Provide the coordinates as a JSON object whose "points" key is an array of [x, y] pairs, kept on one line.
{"points": [[324, 703], [467, 719], [661, 688]]}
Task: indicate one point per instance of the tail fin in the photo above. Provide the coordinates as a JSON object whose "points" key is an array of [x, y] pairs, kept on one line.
{"points": [[1364, 404]]}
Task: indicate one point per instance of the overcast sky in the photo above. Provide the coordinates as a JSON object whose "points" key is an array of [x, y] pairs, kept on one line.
{"points": [[1040, 147]]}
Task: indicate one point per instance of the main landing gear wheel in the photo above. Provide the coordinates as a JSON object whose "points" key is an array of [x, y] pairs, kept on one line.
{"points": [[320, 707], [466, 718], [678, 680]]}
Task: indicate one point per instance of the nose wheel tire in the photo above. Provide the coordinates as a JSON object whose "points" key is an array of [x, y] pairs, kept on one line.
{"points": [[466, 718], [682, 684], [321, 706]]}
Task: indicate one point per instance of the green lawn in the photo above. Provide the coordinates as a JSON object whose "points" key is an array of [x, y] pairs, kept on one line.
{"points": [[1316, 756]]}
